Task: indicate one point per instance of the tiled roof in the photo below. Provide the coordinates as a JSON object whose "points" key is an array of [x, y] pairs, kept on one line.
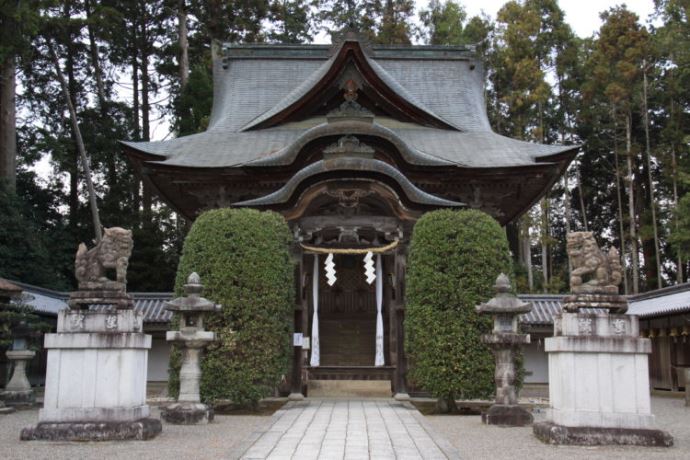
{"points": [[670, 300], [51, 302], [151, 304], [7, 287], [43, 300], [544, 308], [250, 88]]}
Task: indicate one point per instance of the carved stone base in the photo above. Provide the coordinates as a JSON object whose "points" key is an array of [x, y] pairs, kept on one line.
{"points": [[187, 414], [19, 399], [140, 430], [401, 397], [503, 415], [613, 302], [82, 300], [295, 397], [5, 410], [551, 433]]}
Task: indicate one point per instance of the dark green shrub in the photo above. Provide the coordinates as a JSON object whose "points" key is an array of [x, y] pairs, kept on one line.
{"points": [[455, 257], [242, 256]]}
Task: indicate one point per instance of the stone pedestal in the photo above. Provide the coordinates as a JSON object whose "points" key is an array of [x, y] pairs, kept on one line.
{"points": [[96, 379], [5, 410], [18, 392], [187, 413], [599, 383], [188, 410], [505, 341]]}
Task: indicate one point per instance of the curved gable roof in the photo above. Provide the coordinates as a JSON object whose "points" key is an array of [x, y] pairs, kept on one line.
{"points": [[312, 89], [412, 193], [252, 82]]}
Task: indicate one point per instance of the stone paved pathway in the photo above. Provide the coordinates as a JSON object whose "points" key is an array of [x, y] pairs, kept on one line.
{"points": [[342, 429]]}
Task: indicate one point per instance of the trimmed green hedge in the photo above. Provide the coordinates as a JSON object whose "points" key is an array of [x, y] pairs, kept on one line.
{"points": [[455, 257], [242, 256]]}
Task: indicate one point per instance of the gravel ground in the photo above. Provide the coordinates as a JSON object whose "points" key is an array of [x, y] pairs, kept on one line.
{"points": [[217, 440], [212, 441], [477, 441]]}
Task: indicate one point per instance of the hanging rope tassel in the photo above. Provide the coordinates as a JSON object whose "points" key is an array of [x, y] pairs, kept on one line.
{"points": [[330, 270], [380, 360], [369, 270], [315, 358]]}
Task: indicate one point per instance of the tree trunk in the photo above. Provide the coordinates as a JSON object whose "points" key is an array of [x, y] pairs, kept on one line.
{"points": [[674, 173], [631, 204], [184, 43], [446, 405], [582, 200], [73, 161], [80, 143], [619, 196], [95, 62], [674, 179], [527, 252], [147, 201], [648, 154], [135, 96], [8, 124], [545, 242]]}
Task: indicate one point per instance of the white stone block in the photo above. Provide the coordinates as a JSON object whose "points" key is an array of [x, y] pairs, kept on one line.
{"points": [[96, 376], [599, 382]]}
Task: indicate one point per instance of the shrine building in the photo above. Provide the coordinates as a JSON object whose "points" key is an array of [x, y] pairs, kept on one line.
{"points": [[351, 143]]}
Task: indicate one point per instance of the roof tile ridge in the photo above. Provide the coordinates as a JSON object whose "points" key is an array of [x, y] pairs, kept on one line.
{"points": [[306, 84], [378, 68]]}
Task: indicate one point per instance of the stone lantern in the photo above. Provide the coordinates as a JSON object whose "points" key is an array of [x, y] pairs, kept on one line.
{"points": [[504, 341], [188, 410]]}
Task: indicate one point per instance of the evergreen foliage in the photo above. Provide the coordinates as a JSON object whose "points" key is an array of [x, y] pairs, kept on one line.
{"points": [[123, 63], [455, 257], [243, 259], [24, 248], [17, 320]]}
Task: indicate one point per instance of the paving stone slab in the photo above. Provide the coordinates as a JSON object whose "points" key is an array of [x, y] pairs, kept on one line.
{"points": [[347, 429]]}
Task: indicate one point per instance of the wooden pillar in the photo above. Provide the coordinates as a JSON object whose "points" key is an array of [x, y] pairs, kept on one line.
{"points": [[398, 317], [299, 314]]}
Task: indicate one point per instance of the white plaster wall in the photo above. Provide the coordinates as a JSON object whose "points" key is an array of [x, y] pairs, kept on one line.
{"points": [[159, 355], [536, 362]]}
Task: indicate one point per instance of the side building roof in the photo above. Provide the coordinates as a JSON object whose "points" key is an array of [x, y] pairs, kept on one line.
{"points": [[666, 301]]}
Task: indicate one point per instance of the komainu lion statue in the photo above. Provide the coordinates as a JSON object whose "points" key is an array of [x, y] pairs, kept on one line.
{"points": [[593, 271], [110, 256]]}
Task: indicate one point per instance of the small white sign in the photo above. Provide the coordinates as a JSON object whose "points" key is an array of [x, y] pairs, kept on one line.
{"points": [[305, 343], [297, 339]]}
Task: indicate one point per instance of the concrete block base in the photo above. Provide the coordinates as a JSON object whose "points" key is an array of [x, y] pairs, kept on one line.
{"points": [[295, 397], [349, 388], [140, 430], [6, 410], [503, 415], [187, 414], [19, 399], [551, 433]]}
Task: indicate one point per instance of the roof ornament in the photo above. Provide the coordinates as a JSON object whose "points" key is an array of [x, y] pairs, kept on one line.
{"points": [[350, 110], [348, 146], [349, 33]]}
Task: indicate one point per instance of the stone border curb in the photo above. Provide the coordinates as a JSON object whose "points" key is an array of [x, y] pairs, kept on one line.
{"points": [[244, 445], [446, 447], [551, 433], [141, 430]]}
